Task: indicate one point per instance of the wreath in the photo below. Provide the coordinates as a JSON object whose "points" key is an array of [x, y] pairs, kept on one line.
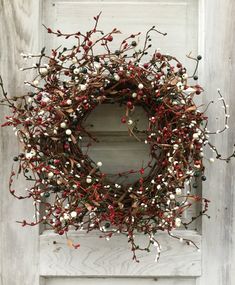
{"points": [[49, 122]]}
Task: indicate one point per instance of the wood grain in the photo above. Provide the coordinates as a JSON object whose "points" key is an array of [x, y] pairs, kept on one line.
{"points": [[176, 17], [218, 71], [120, 281], [19, 247], [98, 257]]}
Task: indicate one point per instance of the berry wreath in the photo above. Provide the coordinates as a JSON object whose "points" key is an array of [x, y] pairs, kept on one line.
{"points": [[69, 85]]}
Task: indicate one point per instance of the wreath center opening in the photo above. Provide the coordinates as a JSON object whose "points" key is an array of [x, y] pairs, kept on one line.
{"points": [[117, 142]]}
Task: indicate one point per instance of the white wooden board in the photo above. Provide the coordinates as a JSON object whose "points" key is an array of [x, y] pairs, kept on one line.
{"points": [[19, 21], [176, 17], [120, 281], [218, 69], [98, 257]]}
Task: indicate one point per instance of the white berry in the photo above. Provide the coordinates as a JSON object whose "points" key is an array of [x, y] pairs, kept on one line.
{"points": [[30, 154], [116, 77], [172, 196], [66, 216], [201, 154], [68, 132], [175, 146], [88, 179], [63, 125], [177, 222], [43, 71], [83, 87], [50, 174], [195, 136], [74, 60], [178, 191], [76, 71], [35, 82], [73, 214]]}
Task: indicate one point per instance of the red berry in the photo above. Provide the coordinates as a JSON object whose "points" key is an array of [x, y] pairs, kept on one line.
{"points": [[123, 120], [39, 97], [61, 232], [120, 73], [158, 55], [146, 65], [129, 105], [58, 211], [78, 210], [158, 93], [66, 146], [109, 38], [76, 245], [89, 43], [179, 65], [197, 162], [85, 48], [86, 106]]}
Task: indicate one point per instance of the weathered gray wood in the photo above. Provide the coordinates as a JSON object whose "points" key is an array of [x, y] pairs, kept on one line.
{"points": [[18, 246], [176, 17], [218, 250], [98, 257], [107, 117], [120, 281], [116, 149]]}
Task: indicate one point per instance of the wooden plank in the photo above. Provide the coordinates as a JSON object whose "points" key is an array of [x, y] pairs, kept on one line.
{"points": [[107, 117], [172, 16], [98, 257], [19, 247], [120, 281], [218, 32]]}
